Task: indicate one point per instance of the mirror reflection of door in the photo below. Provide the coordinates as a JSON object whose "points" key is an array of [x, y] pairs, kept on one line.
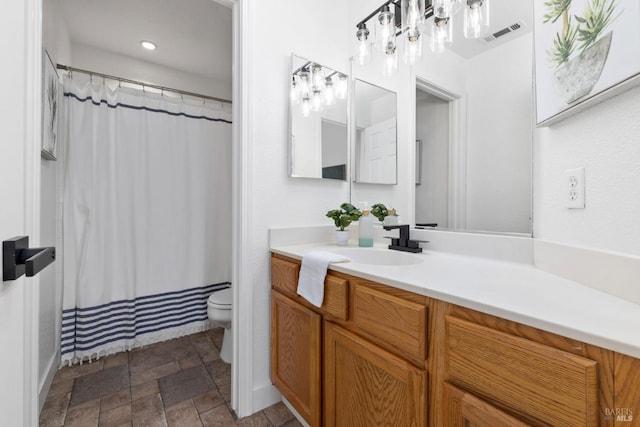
{"points": [[378, 152], [432, 130], [375, 134]]}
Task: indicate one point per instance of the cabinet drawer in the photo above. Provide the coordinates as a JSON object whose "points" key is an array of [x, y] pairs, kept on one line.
{"points": [[284, 278], [540, 383], [284, 275], [398, 324]]}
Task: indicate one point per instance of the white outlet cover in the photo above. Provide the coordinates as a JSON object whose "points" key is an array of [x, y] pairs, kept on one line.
{"points": [[573, 188]]}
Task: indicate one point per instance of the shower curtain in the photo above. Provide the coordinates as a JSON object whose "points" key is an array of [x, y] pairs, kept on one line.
{"points": [[146, 217]]}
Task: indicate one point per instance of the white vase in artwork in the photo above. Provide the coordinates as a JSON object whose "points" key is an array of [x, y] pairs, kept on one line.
{"points": [[577, 77]]}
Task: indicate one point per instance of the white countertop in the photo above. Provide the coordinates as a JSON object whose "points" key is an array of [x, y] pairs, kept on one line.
{"points": [[513, 291]]}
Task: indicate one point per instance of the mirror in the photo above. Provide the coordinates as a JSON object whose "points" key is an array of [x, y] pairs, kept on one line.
{"points": [[474, 149], [318, 134], [375, 135]]}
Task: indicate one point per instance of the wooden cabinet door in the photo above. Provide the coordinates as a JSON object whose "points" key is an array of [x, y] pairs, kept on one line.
{"points": [[462, 409], [366, 386], [296, 356]]}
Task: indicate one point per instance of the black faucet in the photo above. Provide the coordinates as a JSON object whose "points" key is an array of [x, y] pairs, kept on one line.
{"points": [[403, 243]]}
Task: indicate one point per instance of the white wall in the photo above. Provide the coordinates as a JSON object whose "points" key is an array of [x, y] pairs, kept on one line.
{"points": [[276, 199], [605, 140], [101, 61], [499, 126]]}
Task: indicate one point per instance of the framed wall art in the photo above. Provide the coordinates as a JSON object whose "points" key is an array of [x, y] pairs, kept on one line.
{"points": [[50, 108], [586, 51]]}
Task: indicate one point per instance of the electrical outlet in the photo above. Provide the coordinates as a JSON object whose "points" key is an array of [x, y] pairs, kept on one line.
{"points": [[574, 188]]}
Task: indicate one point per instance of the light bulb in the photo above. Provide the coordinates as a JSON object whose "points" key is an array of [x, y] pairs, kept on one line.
{"points": [[476, 18], [306, 107], [441, 34], [328, 93], [364, 46], [341, 86]]}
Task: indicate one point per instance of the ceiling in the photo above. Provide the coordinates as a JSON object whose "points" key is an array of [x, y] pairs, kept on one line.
{"points": [[196, 35], [503, 13], [192, 35]]}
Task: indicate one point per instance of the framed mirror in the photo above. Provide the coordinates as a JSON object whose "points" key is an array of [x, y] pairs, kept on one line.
{"points": [[474, 160], [318, 132], [375, 139]]}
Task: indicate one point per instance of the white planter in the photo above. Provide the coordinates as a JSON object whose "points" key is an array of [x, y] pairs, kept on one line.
{"points": [[390, 220], [342, 237]]}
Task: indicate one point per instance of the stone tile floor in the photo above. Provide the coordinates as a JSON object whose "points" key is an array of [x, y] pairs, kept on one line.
{"points": [[181, 382]]}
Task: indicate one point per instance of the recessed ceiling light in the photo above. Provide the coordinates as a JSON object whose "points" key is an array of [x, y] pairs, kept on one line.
{"points": [[148, 45]]}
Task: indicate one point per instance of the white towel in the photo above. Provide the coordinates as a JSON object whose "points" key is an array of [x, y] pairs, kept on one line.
{"points": [[312, 274]]}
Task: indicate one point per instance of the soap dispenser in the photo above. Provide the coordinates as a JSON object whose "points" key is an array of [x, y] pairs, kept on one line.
{"points": [[365, 228]]}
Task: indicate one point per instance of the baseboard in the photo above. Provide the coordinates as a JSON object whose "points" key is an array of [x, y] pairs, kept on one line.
{"points": [[45, 383], [294, 412], [264, 396], [614, 273]]}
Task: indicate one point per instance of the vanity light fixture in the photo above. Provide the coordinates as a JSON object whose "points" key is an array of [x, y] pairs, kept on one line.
{"points": [[148, 45], [408, 19], [314, 87]]}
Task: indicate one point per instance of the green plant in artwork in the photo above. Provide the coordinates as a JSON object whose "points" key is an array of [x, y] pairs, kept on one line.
{"points": [[598, 15], [586, 29]]}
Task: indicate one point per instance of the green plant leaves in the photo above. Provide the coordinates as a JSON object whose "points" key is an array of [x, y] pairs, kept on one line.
{"points": [[344, 216]]}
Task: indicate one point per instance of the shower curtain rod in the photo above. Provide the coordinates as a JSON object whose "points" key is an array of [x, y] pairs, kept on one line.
{"points": [[123, 80]]}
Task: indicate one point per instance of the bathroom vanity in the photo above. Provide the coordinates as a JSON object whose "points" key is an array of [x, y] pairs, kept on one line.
{"points": [[383, 350]]}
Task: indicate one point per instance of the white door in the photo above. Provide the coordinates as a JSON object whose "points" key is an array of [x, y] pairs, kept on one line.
{"points": [[379, 153], [19, 176]]}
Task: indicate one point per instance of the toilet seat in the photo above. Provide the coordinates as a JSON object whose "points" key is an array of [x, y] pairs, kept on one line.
{"points": [[221, 299]]}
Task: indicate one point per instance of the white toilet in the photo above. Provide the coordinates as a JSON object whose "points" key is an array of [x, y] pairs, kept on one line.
{"points": [[219, 311]]}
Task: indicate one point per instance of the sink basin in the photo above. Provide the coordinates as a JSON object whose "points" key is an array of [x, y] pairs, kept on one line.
{"points": [[376, 256]]}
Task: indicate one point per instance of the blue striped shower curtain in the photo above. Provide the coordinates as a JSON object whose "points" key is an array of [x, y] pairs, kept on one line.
{"points": [[146, 216]]}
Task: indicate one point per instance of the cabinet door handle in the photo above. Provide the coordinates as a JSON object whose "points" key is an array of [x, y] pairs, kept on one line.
{"points": [[18, 258]]}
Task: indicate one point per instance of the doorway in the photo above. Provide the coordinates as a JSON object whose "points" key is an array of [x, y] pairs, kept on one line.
{"points": [[440, 190]]}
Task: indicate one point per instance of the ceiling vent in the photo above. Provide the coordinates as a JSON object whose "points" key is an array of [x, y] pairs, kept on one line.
{"points": [[518, 25]]}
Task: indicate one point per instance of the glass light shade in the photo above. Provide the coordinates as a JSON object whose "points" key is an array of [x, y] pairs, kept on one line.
{"points": [[304, 88], [306, 107], [441, 34], [316, 101], [317, 77], [476, 18], [293, 93], [363, 48], [386, 30], [328, 94], [412, 51], [341, 86], [412, 18], [442, 8], [390, 62], [455, 6]]}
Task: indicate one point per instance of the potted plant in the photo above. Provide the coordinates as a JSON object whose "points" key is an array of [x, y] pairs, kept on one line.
{"points": [[342, 218], [384, 215]]}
